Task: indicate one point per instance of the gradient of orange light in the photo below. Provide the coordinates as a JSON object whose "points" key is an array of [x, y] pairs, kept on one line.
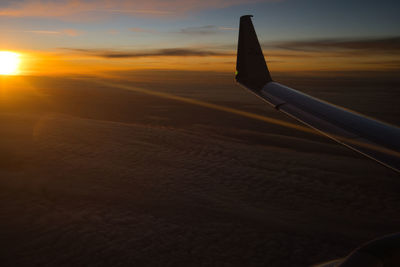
{"points": [[42, 63]]}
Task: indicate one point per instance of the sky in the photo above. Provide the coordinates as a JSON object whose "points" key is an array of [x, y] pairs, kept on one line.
{"points": [[75, 36]]}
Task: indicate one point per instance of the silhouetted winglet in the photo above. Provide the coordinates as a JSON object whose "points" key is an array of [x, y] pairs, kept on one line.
{"points": [[251, 69], [370, 137]]}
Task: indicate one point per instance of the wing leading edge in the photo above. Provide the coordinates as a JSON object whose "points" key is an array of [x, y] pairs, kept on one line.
{"points": [[372, 138]]}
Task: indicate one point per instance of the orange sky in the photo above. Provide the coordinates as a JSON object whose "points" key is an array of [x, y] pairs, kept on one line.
{"points": [[49, 63]]}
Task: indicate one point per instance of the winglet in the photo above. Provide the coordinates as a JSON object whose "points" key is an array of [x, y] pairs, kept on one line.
{"points": [[251, 69]]}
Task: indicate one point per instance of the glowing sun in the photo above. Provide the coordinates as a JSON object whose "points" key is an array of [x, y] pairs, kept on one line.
{"points": [[9, 62]]}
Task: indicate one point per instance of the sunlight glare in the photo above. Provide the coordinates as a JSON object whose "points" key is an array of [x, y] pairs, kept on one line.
{"points": [[9, 62]]}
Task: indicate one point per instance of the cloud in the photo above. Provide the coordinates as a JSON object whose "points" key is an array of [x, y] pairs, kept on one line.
{"points": [[142, 30], [175, 52], [75, 8], [341, 45], [43, 32], [388, 63], [68, 32], [202, 30], [113, 31], [228, 29], [138, 12], [205, 30], [72, 32]]}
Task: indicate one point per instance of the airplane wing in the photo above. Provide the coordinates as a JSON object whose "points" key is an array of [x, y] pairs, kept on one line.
{"points": [[374, 139]]}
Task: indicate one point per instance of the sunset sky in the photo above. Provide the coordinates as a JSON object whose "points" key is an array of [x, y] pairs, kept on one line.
{"points": [[76, 36], [126, 140]]}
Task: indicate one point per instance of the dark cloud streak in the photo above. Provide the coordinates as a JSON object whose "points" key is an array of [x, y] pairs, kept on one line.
{"points": [[168, 52], [202, 30], [362, 46], [206, 30]]}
